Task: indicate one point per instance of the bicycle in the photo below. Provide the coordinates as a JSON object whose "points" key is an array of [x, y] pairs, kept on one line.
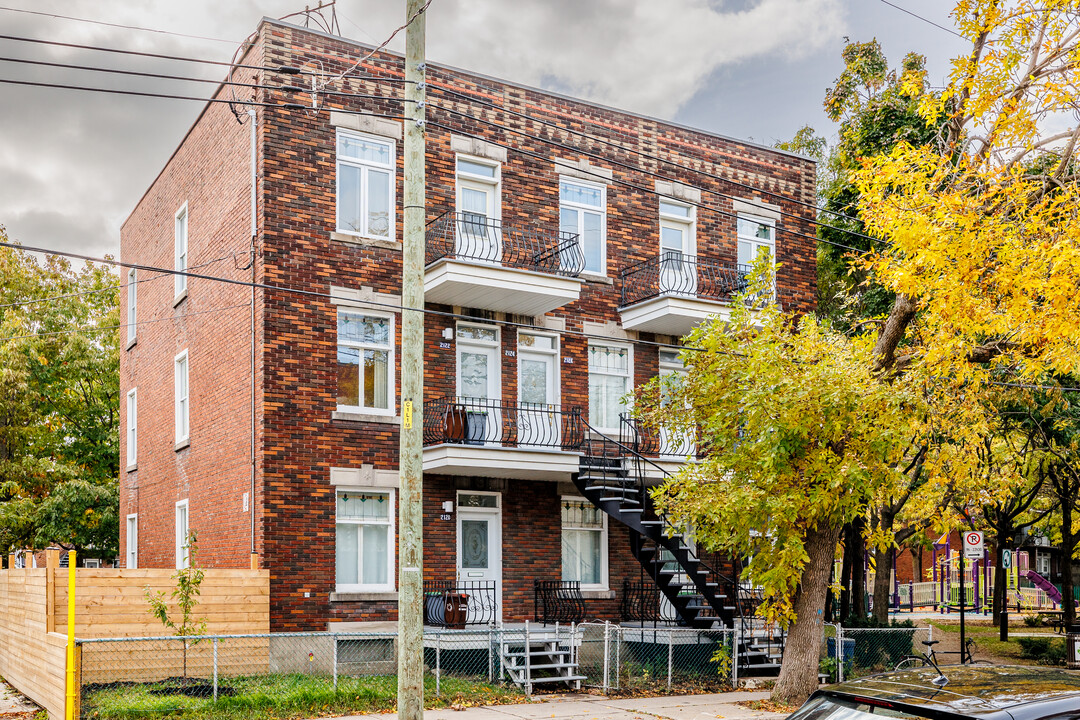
{"points": [[930, 658]]}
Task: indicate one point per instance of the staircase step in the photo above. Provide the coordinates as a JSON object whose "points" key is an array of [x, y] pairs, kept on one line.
{"points": [[544, 666], [559, 678]]}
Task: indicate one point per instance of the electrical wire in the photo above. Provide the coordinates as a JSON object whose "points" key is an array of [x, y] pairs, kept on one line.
{"points": [[104, 328], [115, 25], [358, 63], [925, 20]]}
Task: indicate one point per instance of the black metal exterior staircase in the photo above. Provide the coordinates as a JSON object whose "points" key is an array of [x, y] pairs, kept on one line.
{"points": [[613, 477]]}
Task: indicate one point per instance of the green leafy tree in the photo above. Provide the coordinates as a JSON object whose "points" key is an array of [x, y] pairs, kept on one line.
{"points": [[186, 596], [59, 393]]}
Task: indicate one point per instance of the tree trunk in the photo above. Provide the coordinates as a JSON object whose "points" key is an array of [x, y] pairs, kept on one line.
{"points": [[858, 571], [845, 576], [1068, 542], [882, 585], [802, 650], [999, 585]]}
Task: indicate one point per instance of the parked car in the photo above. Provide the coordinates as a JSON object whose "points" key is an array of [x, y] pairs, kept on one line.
{"points": [[990, 692]]}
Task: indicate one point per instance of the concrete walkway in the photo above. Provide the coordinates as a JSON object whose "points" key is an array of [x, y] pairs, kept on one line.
{"points": [[719, 706]]}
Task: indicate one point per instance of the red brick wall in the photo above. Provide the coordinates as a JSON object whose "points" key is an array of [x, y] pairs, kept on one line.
{"points": [[300, 441]]}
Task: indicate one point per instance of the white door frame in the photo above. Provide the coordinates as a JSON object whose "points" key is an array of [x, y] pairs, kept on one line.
{"points": [[548, 425], [494, 518]]}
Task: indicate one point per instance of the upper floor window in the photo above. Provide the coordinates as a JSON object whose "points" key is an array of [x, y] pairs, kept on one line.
{"points": [[756, 236], [676, 229], [182, 409], [131, 304], [132, 427], [583, 212], [365, 540], [479, 207], [365, 185], [365, 361], [609, 382], [180, 245]]}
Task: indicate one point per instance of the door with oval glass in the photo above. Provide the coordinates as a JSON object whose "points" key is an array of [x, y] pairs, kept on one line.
{"points": [[479, 552]]}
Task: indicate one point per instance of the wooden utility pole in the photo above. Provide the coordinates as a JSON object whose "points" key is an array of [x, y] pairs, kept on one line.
{"points": [[410, 462]]}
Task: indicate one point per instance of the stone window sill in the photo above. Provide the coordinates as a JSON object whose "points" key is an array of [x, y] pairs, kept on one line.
{"points": [[598, 594], [363, 596], [602, 279], [365, 417], [181, 444], [180, 298], [365, 241], [132, 467], [131, 343]]}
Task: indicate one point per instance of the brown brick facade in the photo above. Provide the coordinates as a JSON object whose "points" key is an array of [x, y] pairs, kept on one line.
{"points": [[298, 439]]}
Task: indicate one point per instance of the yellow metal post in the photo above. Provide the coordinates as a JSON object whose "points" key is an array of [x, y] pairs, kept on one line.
{"points": [[69, 706]]}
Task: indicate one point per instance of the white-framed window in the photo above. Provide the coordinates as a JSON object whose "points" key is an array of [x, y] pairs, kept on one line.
{"points": [[131, 554], [584, 543], [132, 427], [365, 361], [365, 185], [583, 212], [94, 563], [365, 540], [610, 373], [756, 235], [132, 314], [180, 243], [183, 557], [183, 410], [479, 207], [676, 228]]}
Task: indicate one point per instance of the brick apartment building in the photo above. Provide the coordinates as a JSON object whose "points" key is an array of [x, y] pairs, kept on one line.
{"points": [[558, 271]]}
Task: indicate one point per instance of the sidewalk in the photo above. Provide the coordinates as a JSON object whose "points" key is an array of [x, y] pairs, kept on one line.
{"points": [[719, 706]]}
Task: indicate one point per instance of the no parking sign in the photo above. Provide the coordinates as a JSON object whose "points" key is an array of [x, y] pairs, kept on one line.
{"points": [[973, 545]]}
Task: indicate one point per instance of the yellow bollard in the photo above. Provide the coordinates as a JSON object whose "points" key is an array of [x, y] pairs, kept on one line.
{"points": [[69, 706]]}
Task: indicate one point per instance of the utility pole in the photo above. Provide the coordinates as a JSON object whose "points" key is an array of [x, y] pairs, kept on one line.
{"points": [[410, 462]]}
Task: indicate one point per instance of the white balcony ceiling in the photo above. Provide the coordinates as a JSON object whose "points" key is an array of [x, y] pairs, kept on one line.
{"points": [[500, 462], [494, 287], [671, 315]]}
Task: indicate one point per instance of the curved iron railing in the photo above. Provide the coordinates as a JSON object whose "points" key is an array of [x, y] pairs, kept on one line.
{"points": [[558, 601], [673, 273], [504, 423], [659, 444], [481, 599], [476, 238]]}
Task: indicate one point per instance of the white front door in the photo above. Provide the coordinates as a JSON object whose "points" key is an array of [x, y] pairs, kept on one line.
{"points": [[674, 444], [678, 264], [538, 421], [479, 551], [478, 236], [478, 383]]}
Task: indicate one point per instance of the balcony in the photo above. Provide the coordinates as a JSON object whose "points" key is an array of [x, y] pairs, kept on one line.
{"points": [[480, 262], [480, 437], [665, 448], [673, 293]]}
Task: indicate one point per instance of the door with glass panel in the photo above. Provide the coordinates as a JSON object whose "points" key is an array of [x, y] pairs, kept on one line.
{"points": [[478, 384], [538, 416], [582, 213], [678, 263], [479, 553], [673, 444], [479, 236]]}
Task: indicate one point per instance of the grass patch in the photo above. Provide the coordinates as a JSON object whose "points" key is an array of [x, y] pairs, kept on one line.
{"points": [[284, 696]]}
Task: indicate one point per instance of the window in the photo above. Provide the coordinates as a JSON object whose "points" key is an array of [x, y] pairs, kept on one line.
{"points": [[365, 362], [183, 428], [131, 304], [183, 559], [479, 207], [676, 229], [583, 212], [365, 186], [365, 540], [584, 543], [91, 562], [756, 236], [132, 554], [609, 382], [132, 427], [181, 249]]}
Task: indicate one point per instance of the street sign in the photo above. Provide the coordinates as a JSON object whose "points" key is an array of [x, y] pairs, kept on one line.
{"points": [[1006, 559], [973, 545]]}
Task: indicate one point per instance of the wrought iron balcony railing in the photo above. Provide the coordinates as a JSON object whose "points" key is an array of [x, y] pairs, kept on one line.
{"points": [[657, 443], [676, 274], [644, 602], [501, 423], [481, 601], [476, 238], [558, 601]]}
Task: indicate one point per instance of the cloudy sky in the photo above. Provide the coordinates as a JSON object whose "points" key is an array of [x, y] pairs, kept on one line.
{"points": [[73, 164]]}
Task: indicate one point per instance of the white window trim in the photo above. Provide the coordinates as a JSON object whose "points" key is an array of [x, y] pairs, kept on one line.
{"points": [[756, 240], [132, 437], [181, 260], [183, 358], [131, 554], [495, 182], [183, 557], [630, 371], [391, 367], [391, 167], [472, 342], [132, 304], [391, 541], [590, 208], [687, 223], [605, 580], [553, 352]]}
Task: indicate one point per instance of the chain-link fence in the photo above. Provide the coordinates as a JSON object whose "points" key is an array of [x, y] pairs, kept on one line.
{"points": [[855, 652]]}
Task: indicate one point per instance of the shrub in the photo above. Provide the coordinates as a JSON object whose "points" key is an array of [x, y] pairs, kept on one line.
{"points": [[1044, 651], [1033, 620]]}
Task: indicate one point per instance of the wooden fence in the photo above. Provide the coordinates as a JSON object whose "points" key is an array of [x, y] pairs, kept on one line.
{"points": [[108, 603]]}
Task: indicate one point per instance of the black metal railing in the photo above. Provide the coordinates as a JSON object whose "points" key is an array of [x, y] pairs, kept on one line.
{"points": [[657, 443], [644, 602], [476, 238], [673, 273], [479, 601], [506, 423], [558, 601]]}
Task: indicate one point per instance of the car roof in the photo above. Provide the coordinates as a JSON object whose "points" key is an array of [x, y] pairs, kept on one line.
{"points": [[1018, 691]]}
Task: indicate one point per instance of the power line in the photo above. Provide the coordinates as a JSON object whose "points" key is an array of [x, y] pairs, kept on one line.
{"points": [[386, 42], [116, 25], [137, 73], [925, 20], [104, 328]]}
